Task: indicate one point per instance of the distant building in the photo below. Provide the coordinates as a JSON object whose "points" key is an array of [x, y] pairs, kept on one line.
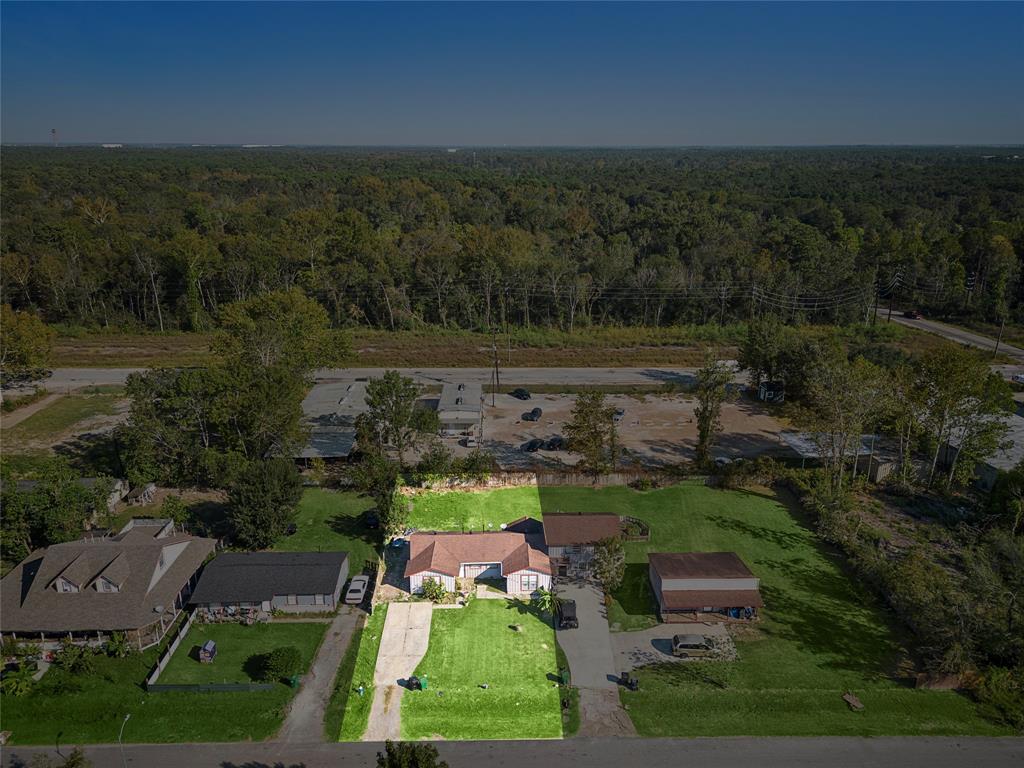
{"points": [[118, 488], [699, 583], [517, 558], [136, 582], [987, 471], [571, 538], [331, 409], [460, 408]]}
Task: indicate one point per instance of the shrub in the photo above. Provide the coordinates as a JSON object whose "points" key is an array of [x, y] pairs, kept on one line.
{"points": [[281, 663], [75, 659], [18, 681], [1002, 692], [434, 590], [118, 645]]}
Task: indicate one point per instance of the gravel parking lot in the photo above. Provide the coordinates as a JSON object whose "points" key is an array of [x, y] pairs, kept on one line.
{"points": [[656, 429]]}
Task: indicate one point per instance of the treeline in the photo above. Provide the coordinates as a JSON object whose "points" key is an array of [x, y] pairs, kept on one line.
{"points": [[164, 238]]}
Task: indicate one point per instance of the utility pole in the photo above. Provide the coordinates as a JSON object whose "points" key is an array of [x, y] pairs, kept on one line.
{"points": [[999, 338], [495, 374], [892, 293]]}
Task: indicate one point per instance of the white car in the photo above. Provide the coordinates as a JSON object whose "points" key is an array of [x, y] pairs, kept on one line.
{"points": [[1017, 378], [357, 589]]}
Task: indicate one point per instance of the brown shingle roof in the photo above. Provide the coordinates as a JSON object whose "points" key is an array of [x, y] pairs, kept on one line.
{"points": [[29, 603], [699, 565], [445, 552], [563, 529], [696, 599]]}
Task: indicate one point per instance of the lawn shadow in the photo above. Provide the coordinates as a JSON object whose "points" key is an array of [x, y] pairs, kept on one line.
{"points": [[526, 608], [634, 596], [354, 527], [781, 539], [694, 673], [94, 453], [209, 518]]}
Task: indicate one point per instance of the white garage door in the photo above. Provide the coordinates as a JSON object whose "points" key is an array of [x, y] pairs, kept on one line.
{"points": [[483, 571]]}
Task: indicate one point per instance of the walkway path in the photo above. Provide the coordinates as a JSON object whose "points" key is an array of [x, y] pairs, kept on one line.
{"points": [[305, 720], [402, 645], [592, 664], [9, 420]]}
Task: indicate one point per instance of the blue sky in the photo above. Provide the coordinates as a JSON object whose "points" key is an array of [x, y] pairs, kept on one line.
{"points": [[517, 74]]}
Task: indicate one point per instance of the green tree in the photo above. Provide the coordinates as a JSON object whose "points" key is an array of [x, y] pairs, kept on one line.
{"points": [[761, 352], [546, 601], [592, 434], [376, 476], [26, 343], [393, 421], [434, 590], [609, 564], [281, 328], [711, 392], [174, 508], [264, 501], [404, 754], [281, 663], [18, 681]]}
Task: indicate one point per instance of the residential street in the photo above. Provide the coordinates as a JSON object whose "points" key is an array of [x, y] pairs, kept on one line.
{"points": [[305, 720], [835, 752]]}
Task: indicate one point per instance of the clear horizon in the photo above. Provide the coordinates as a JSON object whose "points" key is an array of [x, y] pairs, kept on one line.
{"points": [[513, 76]]}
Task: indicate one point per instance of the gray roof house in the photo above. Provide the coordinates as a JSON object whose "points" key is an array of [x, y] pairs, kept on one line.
{"points": [[293, 582], [330, 410], [136, 582], [460, 407]]}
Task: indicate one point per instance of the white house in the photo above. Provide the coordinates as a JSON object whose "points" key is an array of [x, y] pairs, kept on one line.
{"points": [[518, 558]]}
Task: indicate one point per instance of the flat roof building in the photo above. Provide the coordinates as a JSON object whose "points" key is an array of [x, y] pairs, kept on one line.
{"points": [[460, 407]]}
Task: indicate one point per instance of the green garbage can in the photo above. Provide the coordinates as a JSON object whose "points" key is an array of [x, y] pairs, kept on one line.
{"points": [[293, 681], [423, 682]]}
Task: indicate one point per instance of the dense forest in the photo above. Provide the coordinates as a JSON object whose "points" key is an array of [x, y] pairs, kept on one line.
{"points": [[161, 238]]}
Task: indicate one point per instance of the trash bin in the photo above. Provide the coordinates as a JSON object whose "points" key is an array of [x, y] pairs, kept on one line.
{"points": [[293, 681], [423, 683]]}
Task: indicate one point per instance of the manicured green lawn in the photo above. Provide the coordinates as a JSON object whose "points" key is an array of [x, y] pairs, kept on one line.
{"points": [[59, 416], [236, 644], [89, 709], [332, 521], [820, 634], [476, 645], [348, 712], [485, 510]]}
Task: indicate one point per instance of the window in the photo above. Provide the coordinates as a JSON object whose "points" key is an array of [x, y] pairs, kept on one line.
{"points": [[63, 585], [529, 582]]}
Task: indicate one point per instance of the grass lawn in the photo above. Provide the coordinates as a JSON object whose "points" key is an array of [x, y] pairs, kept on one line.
{"points": [[236, 644], [348, 713], [90, 709], [331, 521], [476, 645], [820, 635], [45, 427], [485, 510]]}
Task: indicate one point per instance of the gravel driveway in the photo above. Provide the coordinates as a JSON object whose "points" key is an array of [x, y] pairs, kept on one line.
{"points": [[654, 646]]}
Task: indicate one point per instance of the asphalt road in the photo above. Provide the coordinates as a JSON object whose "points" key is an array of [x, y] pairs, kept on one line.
{"points": [[959, 335], [743, 752], [63, 379]]}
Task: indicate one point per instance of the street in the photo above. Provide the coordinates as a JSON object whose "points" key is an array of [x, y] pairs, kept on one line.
{"points": [[959, 335], [836, 752]]}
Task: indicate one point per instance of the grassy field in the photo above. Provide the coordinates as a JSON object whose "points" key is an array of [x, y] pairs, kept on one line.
{"points": [[348, 713], [236, 644], [332, 521], [57, 420], [485, 510], [820, 635], [89, 709], [477, 645]]}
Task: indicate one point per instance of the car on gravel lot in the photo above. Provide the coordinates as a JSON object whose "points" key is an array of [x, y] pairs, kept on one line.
{"points": [[533, 415], [566, 611], [356, 591], [556, 443], [619, 413], [1017, 378], [520, 394], [531, 446], [690, 646]]}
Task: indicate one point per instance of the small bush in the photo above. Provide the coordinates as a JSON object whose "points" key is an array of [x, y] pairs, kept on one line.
{"points": [[118, 646], [434, 590], [75, 659], [1002, 692], [278, 665]]}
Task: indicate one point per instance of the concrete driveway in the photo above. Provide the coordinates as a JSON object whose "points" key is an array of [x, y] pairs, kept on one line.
{"points": [[654, 646], [403, 644], [592, 663]]}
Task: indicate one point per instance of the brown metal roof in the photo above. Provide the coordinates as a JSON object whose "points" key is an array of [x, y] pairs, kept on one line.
{"points": [[696, 599], [564, 529], [445, 552], [699, 565], [30, 603]]}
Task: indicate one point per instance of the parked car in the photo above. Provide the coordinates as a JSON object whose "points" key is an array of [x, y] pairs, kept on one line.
{"points": [[567, 615], [690, 646], [532, 446], [470, 441], [372, 520], [520, 394], [356, 591], [619, 413], [1017, 378], [913, 314], [556, 443], [533, 415]]}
